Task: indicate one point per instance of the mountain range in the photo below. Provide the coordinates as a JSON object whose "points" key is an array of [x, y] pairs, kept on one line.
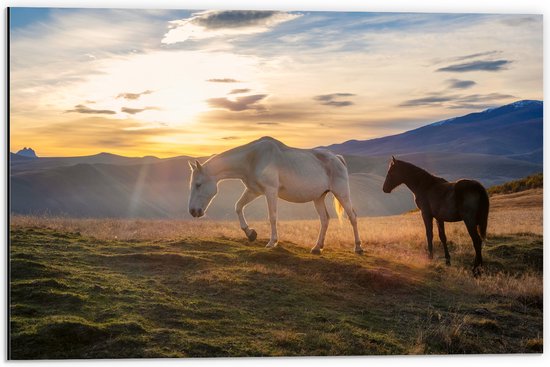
{"points": [[513, 131], [492, 146]]}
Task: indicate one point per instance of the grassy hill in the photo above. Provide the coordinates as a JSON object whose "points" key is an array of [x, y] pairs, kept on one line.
{"points": [[97, 288]]}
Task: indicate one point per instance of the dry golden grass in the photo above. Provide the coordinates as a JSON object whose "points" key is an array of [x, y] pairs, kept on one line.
{"points": [[401, 235], [405, 230]]}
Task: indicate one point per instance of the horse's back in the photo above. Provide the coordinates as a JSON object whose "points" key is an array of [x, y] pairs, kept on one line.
{"points": [[466, 186], [302, 174], [469, 195]]}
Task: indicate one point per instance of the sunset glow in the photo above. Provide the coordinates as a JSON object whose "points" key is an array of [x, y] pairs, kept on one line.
{"points": [[168, 83]]}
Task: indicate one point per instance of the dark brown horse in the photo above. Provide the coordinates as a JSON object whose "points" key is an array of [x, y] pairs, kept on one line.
{"points": [[445, 201]]}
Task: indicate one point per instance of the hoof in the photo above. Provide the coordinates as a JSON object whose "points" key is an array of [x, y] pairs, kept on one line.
{"points": [[359, 251], [430, 256], [252, 235], [448, 262], [476, 272], [315, 251], [271, 245]]}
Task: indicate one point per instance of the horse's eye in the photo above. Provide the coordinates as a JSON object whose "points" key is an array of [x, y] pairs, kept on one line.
{"points": [[197, 185]]}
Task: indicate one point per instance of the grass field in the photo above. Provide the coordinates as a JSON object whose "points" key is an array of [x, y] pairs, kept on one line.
{"points": [[92, 288]]}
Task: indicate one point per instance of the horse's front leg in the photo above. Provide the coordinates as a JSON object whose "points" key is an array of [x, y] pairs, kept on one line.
{"points": [[443, 238], [247, 197], [428, 223], [271, 197]]}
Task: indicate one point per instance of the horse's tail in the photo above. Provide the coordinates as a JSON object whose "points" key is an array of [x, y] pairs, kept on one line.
{"points": [[482, 212], [339, 209], [337, 206]]}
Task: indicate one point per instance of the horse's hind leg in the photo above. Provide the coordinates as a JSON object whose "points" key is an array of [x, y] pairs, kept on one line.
{"points": [[324, 218], [247, 197], [346, 204], [443, 238], [476, 239], [271, 197]]}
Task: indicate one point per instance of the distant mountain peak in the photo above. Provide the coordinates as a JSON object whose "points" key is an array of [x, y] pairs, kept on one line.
{"points": [[515, 105], [27, 152], [525, 103]]}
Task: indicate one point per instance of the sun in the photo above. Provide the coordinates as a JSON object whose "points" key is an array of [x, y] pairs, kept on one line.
{"points": [[168, 88]]}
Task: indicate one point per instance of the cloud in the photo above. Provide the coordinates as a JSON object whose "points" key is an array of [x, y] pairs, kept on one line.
{"points": [[473, 56], [230, 138], [133, 96], [281, 116], [239, 91], [480, 65], [516, 21], [239, 104], [460, 84], [83, 109], [221, 23], [223, 80], [133, 111], [330, 99], [425, 101], [470, 101], [478, 101]]}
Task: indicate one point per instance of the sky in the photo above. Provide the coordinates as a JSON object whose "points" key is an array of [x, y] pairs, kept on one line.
{"points": [[197, 82]]}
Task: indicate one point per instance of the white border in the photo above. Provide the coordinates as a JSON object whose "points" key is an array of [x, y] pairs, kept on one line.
{"points": [[432, 6]]}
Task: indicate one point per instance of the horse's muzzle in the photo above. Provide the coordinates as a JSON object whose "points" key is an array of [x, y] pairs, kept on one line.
{"points": [[197, 213]]}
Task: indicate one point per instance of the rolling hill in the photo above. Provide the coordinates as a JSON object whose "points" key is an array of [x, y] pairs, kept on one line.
{"points": [[508, 147], [22, 163]]}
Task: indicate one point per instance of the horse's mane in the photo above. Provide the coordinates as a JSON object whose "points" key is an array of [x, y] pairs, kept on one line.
{"points": [[418, 173]]}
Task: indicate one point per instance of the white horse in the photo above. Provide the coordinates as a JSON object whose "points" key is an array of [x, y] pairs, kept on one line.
{"points": [[268, 167]]}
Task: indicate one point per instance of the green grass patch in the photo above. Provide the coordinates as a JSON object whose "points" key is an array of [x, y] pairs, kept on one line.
{"points": [[78, 297]]}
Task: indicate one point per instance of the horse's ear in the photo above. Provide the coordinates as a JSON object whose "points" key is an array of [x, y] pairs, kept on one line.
{"points": [[191, 165], [198, 165], [392, 159]]}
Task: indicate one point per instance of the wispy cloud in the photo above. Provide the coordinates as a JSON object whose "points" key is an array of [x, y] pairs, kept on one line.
{"points": [[133, 111], [239, 91], [425, 101], [133, 96], [80, 108], [515, 21], [334, 99], [460, 84], [476, 55], [479, 65], [218, 23], [473, 101], [239, 104], [223, 80]]}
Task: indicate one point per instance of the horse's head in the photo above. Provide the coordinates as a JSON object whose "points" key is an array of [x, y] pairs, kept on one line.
{"points": [[394, 177], [202, 188]]}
